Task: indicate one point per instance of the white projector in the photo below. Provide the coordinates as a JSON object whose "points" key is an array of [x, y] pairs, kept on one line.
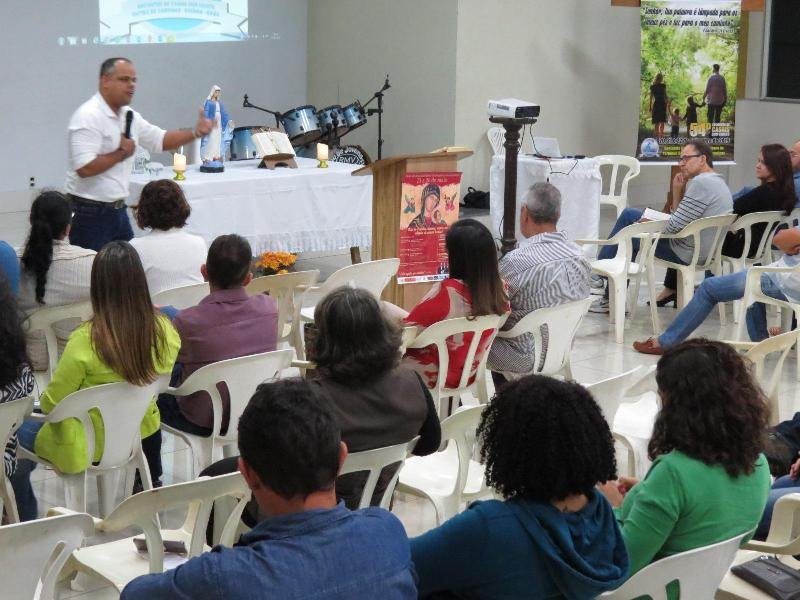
{"points": [[512, 108]]}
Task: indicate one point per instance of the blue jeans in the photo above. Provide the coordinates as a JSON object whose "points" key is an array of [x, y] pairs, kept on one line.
{"points": [[94, 225], [20, 481], [720, 289], [782, 486]]}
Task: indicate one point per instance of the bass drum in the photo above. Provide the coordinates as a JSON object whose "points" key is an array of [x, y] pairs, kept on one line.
{"points": [[301, 125], [242, 146], [325, 118], [354, 115], [351, 155]]}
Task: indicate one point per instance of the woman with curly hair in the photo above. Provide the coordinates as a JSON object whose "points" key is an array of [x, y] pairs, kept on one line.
{"points": [[709, 480], [545, 444], [171, 257]]}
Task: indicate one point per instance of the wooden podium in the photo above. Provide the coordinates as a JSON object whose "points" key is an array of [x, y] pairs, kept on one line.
{"points": [[387, 185]]}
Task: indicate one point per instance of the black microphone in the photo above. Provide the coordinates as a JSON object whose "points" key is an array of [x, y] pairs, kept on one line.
{"points": [[128, 121]]}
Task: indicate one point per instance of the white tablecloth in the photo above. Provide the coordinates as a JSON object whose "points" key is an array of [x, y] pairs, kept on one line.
{"points": [[578, 181], [293, 210]]}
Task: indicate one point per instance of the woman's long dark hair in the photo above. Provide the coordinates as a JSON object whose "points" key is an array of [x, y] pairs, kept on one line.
{"points": [[473, 259], [12, 336], [50, 216], [779, 162], [712, 408], [355, 343]]}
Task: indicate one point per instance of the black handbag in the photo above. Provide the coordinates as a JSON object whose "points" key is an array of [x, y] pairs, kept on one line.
{"points": [[771, 576], [475, 199]]}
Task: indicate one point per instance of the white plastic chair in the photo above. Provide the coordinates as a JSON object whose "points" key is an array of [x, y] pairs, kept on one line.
{"points": [[762, 255], [374, 461], [497, 137], [182, 297], [45, 318], [753, 293], [241, 376], [782, 541], [118, 562], [622, 268], [449, 478], [631, 168], [686, 273], [283, 289], [562, 323], [438, 334], [609, 395], [11, 416], [33, 553], [122, 407], [699, 573], [372, 276]]}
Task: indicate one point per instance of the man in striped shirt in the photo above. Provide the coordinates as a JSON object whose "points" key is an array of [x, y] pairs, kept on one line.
{"points": [[547, 269]]}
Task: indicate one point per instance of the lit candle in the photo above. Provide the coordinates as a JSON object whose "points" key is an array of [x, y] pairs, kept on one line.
{"points": [[179, 162], [322, 152]]}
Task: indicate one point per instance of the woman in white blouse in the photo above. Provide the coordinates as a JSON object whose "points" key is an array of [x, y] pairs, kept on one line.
{"points": [[171, 257], [54, 272]]}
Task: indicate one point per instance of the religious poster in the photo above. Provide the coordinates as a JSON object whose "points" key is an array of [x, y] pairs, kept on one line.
{"points": [[690, 60], [429, 205]]}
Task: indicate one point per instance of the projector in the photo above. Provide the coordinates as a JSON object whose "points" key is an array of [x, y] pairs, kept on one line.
{"points": [[512, 108]]}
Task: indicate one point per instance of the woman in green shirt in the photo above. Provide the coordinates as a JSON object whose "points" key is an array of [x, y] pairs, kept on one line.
{"points": [[125, 340], [709, 481]]}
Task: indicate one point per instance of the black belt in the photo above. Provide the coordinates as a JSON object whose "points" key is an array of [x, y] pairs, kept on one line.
{"points": [[113, 204]]}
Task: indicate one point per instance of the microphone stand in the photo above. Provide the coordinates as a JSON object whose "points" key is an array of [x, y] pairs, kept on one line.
{"points": [[246, 104], [379, 111]]}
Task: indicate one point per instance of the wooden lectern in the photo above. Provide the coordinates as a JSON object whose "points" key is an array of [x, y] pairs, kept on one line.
{"points": [[387, 185]]}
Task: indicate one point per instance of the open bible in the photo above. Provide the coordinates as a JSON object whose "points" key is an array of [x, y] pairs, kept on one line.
{"points": [[274, 148]]}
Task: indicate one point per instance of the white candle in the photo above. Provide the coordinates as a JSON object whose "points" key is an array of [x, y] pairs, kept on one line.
{"points": [[179, 162], [322, 152]]}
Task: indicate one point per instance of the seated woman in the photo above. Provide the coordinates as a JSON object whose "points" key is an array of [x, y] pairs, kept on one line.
{"points": [[16, 381], [545, 444], [171, 257], [786, 484], [473, 289], [125, 340], [54, 272], [783, 286], [709, 480], [776, 192]]}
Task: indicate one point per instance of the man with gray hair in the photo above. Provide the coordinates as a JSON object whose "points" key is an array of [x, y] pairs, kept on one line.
{"points": [[545, 270]]}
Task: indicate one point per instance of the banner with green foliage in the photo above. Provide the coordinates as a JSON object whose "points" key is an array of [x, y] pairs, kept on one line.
{"points": [[690, 60]]}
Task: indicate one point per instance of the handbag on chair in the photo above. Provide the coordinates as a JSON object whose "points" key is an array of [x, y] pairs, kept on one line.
{"points": [[771, 576]]}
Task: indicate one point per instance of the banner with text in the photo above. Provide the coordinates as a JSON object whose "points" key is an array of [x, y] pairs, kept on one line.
{"points": [[690, 60], [428, 207]]}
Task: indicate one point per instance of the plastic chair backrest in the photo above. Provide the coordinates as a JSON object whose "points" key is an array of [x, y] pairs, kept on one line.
{"points": [[182, 297], [632, 169], [35, 551], [793, 219], [282, 288], [562, 323], [141, 510], [373, 276], [719, 223], [758, 354], [44, 319], [438, 334], [769, 218], [610, 393], [624, 236], [374, 461], [459, 428], [122, 407], [699, 573], [11, 416], [496, 137], [241, 376]]}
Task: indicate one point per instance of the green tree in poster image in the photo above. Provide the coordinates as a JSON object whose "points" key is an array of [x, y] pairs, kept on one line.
{"points": [[685, 55]]}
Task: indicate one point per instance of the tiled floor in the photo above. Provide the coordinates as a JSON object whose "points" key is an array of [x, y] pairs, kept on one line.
{"points": [[595, 356]]}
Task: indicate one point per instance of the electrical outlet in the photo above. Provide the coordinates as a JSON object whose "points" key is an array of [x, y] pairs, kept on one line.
{"points": [[32, 182]]}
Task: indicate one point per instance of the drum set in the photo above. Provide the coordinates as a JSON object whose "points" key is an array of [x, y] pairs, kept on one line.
{"points": [[305, 126]]}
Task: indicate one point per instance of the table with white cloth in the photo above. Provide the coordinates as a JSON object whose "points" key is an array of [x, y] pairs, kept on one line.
{"points": [[580, 185], [293, 210]]}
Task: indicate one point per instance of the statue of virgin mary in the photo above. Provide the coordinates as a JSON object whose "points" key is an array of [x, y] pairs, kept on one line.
{"points": [[211, 148]]}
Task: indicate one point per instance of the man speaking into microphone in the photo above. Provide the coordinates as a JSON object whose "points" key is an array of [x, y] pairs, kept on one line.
{"points": [[103, 134]]}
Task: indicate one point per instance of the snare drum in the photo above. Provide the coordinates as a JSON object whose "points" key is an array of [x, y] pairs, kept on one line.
{"points": [[325, 117], [242, 146], [301, 125], [354, 115]]}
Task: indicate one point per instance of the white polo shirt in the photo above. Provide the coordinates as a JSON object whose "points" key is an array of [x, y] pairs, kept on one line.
{"points": [[96, 129]]}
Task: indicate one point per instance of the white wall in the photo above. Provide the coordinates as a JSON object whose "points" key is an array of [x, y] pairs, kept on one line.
{"points": [[353, 44]]}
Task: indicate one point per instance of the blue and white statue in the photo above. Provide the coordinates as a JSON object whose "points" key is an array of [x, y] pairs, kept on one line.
{"points": [[211, 146]]}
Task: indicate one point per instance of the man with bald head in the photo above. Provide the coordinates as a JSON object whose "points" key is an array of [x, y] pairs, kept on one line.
{"points": [[101, 148]]}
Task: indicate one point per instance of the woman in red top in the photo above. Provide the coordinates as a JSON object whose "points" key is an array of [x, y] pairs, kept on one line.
{"points": [[473, 289]]}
